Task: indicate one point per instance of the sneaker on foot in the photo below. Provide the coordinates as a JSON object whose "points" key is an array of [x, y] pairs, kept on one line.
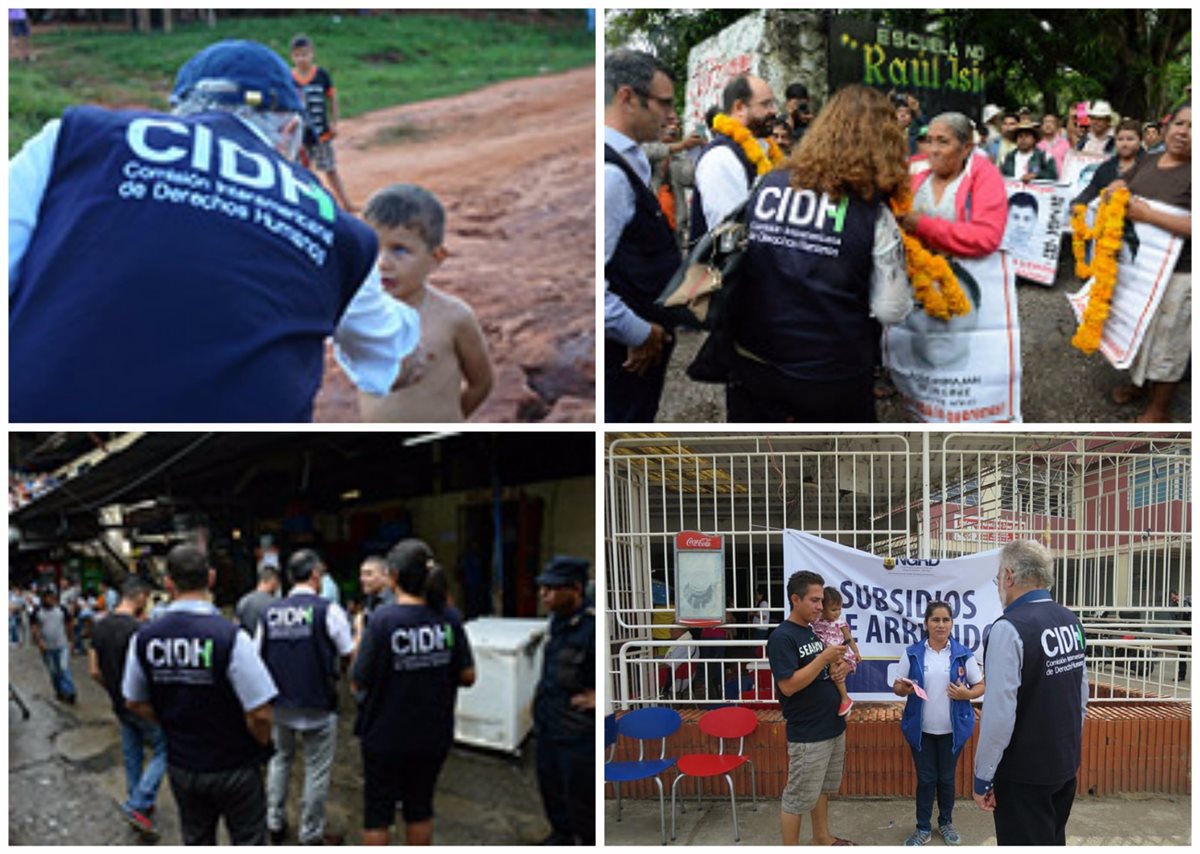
{"points": [[140, 822], [277, 836], [919, 837], [844, 708], [949, 833]]}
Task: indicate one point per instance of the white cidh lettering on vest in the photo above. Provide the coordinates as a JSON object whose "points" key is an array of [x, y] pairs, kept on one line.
{"points": [[291, 616], [179, 652], [1060, 640], [801, 208], [416, 640], [174, 140]]}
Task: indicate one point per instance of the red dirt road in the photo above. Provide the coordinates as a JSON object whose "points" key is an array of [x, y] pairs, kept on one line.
{"points": [[514, 165]]}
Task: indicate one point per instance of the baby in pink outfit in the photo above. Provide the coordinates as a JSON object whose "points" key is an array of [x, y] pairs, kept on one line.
{"points": [[835, 631]]}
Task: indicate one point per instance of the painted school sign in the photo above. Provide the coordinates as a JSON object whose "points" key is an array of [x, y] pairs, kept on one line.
{"points": [[941, 73]]}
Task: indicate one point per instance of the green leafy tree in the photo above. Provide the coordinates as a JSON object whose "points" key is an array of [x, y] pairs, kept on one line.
{"points": [[1138, 59]]}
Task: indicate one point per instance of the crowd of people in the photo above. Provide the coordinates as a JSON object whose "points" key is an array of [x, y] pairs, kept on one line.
{"points": [[831, 198], [214, 701], [233, 232], [24, 487]]}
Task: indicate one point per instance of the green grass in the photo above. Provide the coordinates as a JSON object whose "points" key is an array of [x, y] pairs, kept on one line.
{"points": [[376, 61]]}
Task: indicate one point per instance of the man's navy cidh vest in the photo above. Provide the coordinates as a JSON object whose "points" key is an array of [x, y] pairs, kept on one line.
{"points": [[185, 657], [805, 299], [1045, 744], [647, 255], [698, 226], [181, 270], [299, 653], [962, 716]]}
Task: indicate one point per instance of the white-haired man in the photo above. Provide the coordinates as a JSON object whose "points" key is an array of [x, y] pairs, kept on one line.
{"points": [[187, 268], [1031, 730]]}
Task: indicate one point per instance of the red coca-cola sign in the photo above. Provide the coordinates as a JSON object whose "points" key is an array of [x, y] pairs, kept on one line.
{"points": [[696, 541]]}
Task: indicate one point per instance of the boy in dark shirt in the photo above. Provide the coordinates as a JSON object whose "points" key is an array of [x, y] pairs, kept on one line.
{"points": [[320, 116], [106, 665]]}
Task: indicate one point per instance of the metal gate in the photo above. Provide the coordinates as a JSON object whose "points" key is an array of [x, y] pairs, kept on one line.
{"points": [[1115, 510]]}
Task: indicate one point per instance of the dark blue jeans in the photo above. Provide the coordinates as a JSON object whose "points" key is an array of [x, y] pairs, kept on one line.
{"points": [[935, 763], [58, 663], [141, 784]]}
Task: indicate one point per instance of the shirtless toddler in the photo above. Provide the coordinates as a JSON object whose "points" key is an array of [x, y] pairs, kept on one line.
{"points": [[410, 224]]}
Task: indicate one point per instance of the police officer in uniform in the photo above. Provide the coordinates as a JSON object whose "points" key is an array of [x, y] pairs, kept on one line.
{"points": [[302, 638], [194, 673], [565, 709], [1032, 722], [640, 253], [198, 269]]}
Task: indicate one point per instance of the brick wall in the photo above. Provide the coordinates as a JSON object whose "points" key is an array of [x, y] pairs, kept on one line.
{"points": [[1126, 748]]}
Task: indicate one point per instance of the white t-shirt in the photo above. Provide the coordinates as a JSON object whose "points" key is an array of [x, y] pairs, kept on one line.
{"points": [[935, 718], [681, 676], [1021, 163]]}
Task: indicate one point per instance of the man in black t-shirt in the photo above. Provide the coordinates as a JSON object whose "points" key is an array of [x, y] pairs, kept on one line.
{"points": [[805, 672], [106, 665]]}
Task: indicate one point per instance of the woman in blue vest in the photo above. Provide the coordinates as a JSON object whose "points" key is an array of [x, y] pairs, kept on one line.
{"points": [[937, 728]]}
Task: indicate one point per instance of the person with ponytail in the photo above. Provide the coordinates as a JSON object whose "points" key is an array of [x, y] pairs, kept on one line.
{"points": [[412, 659]]}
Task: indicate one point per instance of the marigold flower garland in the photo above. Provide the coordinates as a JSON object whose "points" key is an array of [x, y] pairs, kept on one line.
{"points": [[736, 131], [927, 270], [1107, 232]]}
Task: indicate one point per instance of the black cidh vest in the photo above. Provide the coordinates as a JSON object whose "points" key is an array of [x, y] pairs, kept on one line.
{"points": [[186, 657], [646, 256], [805, 299], [298, 651], [1045, 744]]}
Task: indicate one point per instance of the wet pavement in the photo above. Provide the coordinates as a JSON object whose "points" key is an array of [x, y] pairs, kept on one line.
{"points": [[66, 779], [1116, 820]]}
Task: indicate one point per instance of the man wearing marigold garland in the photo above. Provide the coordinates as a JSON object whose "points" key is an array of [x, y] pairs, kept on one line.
{"points": [[640, 252], [728, 166]]}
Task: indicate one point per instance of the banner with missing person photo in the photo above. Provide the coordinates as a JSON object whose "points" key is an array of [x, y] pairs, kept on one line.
{"points": [[966, 369], [1077, 172], [1033, 235], [884, 600], [1144, 266]]}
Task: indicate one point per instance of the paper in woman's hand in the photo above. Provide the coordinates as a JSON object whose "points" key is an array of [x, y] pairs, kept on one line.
{"points": [[917, 689]]}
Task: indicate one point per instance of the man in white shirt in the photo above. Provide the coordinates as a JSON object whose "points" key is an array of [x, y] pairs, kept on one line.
{"points": [[1100, 138], [725, 174]]}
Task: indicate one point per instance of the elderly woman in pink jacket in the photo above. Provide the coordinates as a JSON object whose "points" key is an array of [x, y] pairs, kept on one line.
{"points": [[960, 210]]}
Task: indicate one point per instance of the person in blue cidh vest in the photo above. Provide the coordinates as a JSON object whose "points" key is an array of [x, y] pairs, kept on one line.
{"points": [[1031, 730], [640, 253], [305, 641], [413, 658], [564, 712], [195, 674], [184, 266], [937, 728]]}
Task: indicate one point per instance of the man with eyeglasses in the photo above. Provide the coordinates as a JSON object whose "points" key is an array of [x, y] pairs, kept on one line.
{"points": [[725, 173], [640, 253]]}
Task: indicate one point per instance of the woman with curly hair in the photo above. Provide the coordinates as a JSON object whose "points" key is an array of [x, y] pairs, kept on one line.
{"points": [[824, 262]]}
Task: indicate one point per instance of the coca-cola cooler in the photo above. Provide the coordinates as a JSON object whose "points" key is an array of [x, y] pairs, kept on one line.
{"points": [[699, 579], [497, 711]]}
